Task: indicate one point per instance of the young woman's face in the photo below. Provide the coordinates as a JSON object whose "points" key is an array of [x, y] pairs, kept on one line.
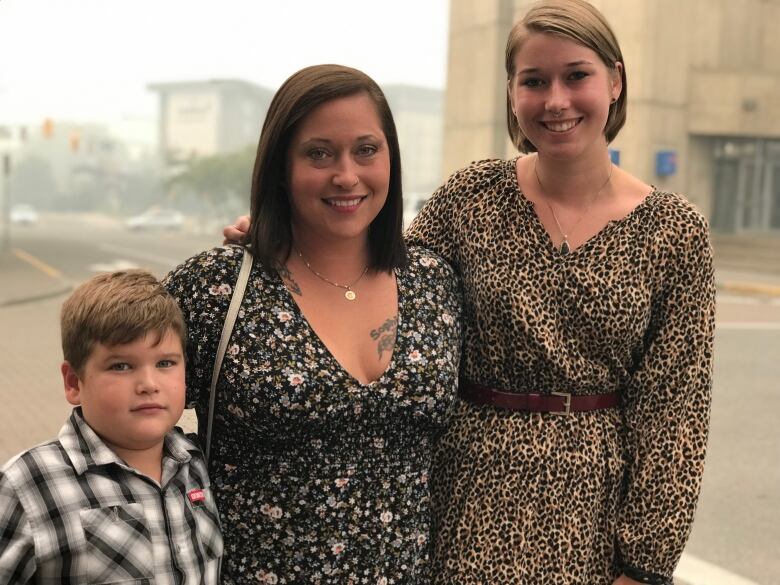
{"points": [[561, 93], [338, 169]]}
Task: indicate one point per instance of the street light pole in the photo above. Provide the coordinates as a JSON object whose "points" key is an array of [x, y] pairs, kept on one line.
{"points": [[5, 243]]}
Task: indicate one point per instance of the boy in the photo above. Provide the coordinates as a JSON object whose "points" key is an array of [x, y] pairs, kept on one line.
{"points": [[121, 496]]}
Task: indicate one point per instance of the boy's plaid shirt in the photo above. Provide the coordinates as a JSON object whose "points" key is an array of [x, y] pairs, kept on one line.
{"points": [[72, 512]]}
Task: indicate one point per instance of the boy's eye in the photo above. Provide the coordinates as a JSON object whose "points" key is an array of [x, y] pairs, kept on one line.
{"points": [[166, 363], [119, 367]]}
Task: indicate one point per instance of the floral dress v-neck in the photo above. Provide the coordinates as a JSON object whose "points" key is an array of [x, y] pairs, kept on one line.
{"points": [[319, 478]]}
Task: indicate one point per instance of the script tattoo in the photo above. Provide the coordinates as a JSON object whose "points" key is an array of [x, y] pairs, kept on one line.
{"points": [[288, 279], [384, 335]]}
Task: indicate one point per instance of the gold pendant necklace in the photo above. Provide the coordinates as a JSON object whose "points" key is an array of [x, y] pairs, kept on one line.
{"points": [[349, 294], [565, 248]]}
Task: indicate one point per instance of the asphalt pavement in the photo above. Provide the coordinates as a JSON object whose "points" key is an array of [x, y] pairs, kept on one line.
{"points": [[32, 290], [27, 278]]}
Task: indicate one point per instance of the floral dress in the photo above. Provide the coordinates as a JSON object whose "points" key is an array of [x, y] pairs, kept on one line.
{"points": [[319, 478]]}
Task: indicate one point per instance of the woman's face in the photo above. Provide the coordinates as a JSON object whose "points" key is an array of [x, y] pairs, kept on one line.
{"points": [[338, 170], [561, 93]]}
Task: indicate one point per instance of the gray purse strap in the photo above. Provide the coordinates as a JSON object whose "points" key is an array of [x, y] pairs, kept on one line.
{"points": [[227, 330]]}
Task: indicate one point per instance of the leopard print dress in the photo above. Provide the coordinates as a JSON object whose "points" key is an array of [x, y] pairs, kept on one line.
{"points": [[531, 498]]}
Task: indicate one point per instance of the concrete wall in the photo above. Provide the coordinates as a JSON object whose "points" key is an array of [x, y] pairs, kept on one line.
{"points": [[474, 110], [190, 121], [696, 69]]}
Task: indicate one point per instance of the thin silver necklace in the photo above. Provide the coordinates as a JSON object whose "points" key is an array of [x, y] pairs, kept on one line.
{"points": [[565, 247], [349, 294]]}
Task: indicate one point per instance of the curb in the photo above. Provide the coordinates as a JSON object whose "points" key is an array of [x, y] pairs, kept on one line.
{"points": [[51, 282], [750, 288], [65, 288], [694, 571]]}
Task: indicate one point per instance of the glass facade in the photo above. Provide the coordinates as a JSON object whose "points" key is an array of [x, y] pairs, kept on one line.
{"points": [[747, 185]]}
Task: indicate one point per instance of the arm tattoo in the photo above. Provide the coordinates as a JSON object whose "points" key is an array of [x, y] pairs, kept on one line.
{"points": [[384, 335], [288, 279]]}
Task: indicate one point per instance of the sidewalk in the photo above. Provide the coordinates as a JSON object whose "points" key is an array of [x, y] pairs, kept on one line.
{"points": [[25, 278], [747, 283]]}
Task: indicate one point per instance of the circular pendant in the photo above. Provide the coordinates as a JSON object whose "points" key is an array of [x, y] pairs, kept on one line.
{"points": [[350, 295]]}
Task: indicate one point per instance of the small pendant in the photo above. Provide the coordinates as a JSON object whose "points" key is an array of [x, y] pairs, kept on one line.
{"points": [[565, 248], [350, 295]]}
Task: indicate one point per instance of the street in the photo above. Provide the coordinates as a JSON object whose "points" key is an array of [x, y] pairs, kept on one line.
{"points": [[739, 511]]}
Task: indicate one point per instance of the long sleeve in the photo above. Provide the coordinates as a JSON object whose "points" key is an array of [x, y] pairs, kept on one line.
{"points": [[667, 411], [17, 547]]}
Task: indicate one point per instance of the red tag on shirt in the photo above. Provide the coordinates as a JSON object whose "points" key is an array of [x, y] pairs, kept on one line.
{"points": [[196, 497]]}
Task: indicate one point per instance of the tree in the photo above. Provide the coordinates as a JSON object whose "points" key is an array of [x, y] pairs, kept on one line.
{"points": [[220, 182]]}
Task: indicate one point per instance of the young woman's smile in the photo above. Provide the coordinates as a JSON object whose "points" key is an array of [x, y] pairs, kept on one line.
{"points": [[560, 94]]}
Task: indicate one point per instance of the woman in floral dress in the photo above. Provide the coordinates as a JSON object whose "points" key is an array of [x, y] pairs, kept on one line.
{"points": [[343, 362]]}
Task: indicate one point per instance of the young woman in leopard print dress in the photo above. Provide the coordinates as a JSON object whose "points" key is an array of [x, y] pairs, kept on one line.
{"points": [[585, 287]]}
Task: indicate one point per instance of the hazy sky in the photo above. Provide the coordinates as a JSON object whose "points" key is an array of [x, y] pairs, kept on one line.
{"points": [[86, 60]]}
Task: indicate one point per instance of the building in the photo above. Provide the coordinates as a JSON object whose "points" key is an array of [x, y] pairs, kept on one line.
{"points": [[419, 118], [206, 118], [704, 99], [63, 164]]}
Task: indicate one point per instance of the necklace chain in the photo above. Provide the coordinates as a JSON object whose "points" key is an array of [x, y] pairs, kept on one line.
{"points": [[349, 294], [565, 247]]}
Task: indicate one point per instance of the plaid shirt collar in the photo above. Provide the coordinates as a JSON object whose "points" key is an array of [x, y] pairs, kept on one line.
{"points": [[87, 451]]}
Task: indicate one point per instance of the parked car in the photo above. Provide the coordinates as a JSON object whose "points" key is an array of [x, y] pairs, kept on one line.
{"points": [[156, 219], [23, 214]]}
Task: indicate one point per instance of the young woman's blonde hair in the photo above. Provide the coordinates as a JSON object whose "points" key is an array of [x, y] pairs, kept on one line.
{"points": [[578, 21], [117, 308]]}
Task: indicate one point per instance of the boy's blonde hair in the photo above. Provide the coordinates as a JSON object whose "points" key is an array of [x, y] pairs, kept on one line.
{"points": [[116, 308]]}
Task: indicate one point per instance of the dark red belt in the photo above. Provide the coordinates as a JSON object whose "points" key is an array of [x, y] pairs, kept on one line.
{"points": [[555, 402]]}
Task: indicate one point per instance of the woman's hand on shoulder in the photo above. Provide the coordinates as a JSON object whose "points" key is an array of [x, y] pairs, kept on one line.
{"points": [[237, 232]]}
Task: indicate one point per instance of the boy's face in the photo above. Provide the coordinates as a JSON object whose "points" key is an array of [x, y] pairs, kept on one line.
{"points": [[131, 394]]}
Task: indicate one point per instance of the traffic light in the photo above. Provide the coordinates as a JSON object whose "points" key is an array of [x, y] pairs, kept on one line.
{"points": [[74, 141], [48, 128]]}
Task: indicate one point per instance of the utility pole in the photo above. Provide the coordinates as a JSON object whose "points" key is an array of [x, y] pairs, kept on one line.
{"points": [[5, 243]]}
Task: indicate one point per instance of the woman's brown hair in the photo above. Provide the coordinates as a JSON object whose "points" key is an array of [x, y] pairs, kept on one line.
{"points": [[270, 235]]}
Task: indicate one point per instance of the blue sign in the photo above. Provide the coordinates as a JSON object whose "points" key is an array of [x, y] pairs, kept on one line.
{"points": [[614, 156], [666, 163]]}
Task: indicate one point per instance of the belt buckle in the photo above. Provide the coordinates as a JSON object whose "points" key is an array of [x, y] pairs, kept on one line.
{"points": [[566, 401]]}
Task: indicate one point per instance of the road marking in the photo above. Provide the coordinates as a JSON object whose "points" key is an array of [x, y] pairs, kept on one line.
{"points": [[751, 288], [742, 300], [113, 266], [749, 325], [161, 260], [693, 571], [39, 264]]}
